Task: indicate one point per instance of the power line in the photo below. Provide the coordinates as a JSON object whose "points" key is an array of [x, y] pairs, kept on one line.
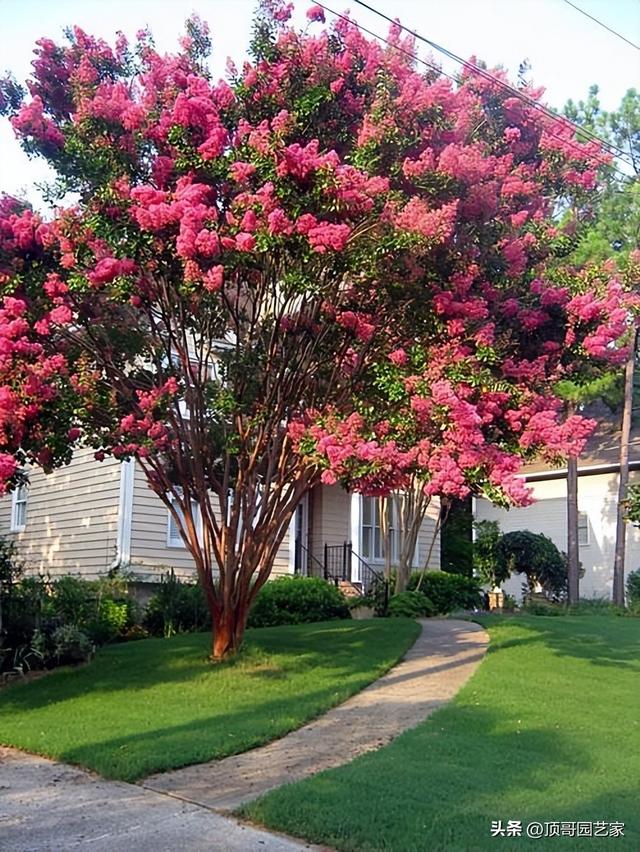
{"points": [[620, 153], [516, 93], [602, 24]]}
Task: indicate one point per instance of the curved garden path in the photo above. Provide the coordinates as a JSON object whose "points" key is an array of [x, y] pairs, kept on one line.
{"points": [[444, 657], [51, 807]]}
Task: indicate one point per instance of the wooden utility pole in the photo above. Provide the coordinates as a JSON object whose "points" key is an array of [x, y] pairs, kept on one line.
{"points": [[623, 483], [573, 548]]}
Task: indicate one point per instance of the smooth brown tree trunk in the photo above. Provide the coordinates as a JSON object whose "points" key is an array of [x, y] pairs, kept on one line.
{"points": [[623, 482], [573, 549], [228, 631]]}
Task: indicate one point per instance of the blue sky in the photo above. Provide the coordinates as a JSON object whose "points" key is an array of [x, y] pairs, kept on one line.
{"points": [[567, 51]]}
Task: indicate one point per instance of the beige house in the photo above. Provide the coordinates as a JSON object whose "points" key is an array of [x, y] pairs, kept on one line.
{"points": [[91, 517], [598, 477]]}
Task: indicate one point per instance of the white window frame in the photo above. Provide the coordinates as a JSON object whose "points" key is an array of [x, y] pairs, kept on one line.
{"points": [[375, 506], [586, 528], [19, 500], [178, 541]]}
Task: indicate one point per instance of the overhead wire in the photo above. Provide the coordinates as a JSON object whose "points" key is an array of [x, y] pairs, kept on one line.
{"points": [[602, 24], [609, 146], [437, 68]]}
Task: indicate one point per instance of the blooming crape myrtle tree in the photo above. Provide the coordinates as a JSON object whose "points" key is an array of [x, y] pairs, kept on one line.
{"points": [[254, 268]]}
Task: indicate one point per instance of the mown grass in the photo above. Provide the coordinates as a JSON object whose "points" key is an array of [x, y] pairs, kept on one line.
{"points": [[548, 729], [158, 704]]}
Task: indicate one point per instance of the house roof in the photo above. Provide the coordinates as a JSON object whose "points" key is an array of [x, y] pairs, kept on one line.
{"points": [[602, 448]]}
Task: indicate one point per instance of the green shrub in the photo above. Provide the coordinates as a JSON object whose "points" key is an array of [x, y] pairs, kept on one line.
{"points": [[487, 565], [381, 593], [109, 623], [633, 590], [100, 608], [72, 645], [72, 599], [361, 600], [411, 605], [447, 592], [295, 600], [176, 608]]}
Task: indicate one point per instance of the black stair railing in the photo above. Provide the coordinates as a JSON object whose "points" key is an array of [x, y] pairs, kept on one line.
{"points": [[368, 576], [306, 562], [337, 562], [338, 565]]}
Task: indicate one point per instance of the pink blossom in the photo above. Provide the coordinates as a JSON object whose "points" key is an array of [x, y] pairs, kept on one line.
{"points": [[241, 172], [245, 242], [327, 236], [316, 13], [398, 357], [214, 278]]}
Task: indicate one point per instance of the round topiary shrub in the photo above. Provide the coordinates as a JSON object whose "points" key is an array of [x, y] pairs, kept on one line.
{"points": [[535, 556], [296, 600], [410, 605]]}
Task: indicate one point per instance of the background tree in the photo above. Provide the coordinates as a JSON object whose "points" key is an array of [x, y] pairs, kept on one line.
{"points": [[328, 267], [489, 566], [456, 541], [614, 230], [612, 227]]}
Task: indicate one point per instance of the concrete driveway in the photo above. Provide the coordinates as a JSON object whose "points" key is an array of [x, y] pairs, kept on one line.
{"points": [[51, 807]]}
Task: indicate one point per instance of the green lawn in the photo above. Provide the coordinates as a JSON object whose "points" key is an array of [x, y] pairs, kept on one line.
{"points": [[547, 730], [157, 704]]}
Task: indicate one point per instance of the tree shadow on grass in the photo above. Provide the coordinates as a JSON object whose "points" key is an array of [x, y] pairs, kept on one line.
{"points": [[339, 646], [446, 800], [600, 640]]}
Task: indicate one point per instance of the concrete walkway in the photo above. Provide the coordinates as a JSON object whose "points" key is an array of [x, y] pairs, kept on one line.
{"points": [[445, 655], [51, 807], [47, 806]]}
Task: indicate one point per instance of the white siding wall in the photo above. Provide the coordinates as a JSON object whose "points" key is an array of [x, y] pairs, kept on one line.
{"points": [[72, 514], [597, 498], [331, 523], [151, 557]]}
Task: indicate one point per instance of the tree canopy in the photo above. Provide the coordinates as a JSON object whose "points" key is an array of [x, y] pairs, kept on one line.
{"points": [[329, 267]]}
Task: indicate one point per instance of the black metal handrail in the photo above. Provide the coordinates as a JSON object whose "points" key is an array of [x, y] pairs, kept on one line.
{"points": [[338, 565], [368, 575], [309, 558], [337, 562]]}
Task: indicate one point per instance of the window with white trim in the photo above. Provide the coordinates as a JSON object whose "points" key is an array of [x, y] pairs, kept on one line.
{"points": [[19, 508], [583, 528], [174, 539], [371, 539]]}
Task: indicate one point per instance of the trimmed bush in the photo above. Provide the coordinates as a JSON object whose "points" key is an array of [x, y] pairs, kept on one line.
{"points": [[447, 592], [535, 556], [410, 605], [296, 600]]}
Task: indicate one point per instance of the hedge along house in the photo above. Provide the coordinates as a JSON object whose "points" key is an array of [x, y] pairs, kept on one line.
{"points": [[90, 518], [598, 477]]}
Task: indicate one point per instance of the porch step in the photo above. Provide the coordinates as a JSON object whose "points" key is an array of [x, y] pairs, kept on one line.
{"points": [[349, 589]]}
